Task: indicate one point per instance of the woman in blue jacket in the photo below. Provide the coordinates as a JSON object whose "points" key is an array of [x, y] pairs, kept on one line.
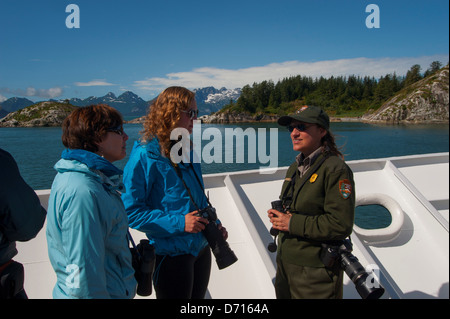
{"points": [[158, 203], [87, 224]]}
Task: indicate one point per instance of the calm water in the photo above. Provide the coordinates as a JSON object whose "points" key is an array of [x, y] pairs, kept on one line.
{"points": [[36, 150]]}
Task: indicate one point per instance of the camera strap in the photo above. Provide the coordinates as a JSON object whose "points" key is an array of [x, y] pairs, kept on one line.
{"points": [[180, 175], [130, 238], [289, 200]]}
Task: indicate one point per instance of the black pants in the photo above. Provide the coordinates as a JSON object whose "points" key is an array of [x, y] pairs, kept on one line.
{"points": [[182, 277]]}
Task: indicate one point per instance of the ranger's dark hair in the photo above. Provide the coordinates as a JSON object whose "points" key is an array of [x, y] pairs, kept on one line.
{"points": [[329, 145]]}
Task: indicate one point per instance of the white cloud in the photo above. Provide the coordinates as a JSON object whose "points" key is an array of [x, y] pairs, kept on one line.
{"points": [[94, 83], [209, 76], [2, 98], [31, 91]]}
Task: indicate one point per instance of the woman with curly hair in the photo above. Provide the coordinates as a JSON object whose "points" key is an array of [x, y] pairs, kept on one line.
{"points": [[158, 202]]}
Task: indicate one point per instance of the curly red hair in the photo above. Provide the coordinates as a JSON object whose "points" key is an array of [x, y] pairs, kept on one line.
{"points": [[165, 114]]}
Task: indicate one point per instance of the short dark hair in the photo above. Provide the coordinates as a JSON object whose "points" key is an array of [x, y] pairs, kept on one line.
{"points": [[86, 126]]}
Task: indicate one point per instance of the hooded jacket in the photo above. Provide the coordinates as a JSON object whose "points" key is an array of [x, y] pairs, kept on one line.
{"points": [[156, 200], [87, 229]]}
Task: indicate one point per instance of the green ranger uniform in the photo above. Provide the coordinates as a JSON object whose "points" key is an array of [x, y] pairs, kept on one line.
{"points": [[322, 203]]}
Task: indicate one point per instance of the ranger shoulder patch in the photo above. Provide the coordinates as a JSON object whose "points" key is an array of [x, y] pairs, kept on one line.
{"points": [[345, 188]]}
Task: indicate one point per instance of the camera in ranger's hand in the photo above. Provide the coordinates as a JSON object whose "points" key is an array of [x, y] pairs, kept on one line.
{"points": [[219, 246], [339, 254]]}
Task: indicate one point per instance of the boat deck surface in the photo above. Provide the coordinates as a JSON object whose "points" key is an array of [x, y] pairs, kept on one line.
{"points": [[411, 254]]}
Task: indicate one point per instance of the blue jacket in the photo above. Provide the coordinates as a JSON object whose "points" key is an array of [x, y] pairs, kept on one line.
{"points": [[156, 200], [87, 229]]}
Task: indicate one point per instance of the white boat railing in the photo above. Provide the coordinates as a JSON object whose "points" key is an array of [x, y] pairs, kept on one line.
{"points": [[410, 257]]}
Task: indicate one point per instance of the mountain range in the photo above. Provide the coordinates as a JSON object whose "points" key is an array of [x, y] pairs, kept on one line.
{"points": [[128, 103], [208, 99]]}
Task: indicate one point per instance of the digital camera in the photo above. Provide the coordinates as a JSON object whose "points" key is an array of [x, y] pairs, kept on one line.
{"points": [[340, 254], [219, 246]]}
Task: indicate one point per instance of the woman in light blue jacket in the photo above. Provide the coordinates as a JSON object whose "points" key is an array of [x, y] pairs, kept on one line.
{"points": [[87, 224], [158, 203]]}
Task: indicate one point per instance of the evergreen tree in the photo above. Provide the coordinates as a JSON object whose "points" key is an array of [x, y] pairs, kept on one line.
{"points": [[434, 67], [413, 75], [335, 94]]}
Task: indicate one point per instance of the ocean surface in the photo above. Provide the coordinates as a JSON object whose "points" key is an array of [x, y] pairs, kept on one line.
{"points": [[36, 150]]}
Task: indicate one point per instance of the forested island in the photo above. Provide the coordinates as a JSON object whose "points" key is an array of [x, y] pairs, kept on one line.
{"points": [[341, 96]]}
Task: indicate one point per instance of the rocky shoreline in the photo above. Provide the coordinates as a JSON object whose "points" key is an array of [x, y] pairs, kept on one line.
{"points": [[361, 119], [426, 101], [239, 118]]}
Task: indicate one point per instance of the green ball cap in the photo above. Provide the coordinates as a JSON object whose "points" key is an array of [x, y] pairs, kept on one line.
{"points": [[307, 114]]}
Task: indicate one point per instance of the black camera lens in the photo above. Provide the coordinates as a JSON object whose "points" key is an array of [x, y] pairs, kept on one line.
{"points": [[358, 275], [338, 254], [222, 252]]}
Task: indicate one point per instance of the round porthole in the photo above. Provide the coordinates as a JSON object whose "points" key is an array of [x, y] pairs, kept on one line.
{"points": [[385, 234], [372, 216]]}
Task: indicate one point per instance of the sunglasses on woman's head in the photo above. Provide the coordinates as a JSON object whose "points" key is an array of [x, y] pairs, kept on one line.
{"points": [[192, 113]]}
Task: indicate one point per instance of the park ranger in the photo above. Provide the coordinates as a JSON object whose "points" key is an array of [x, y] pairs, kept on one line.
{"points": [[318, 197]]}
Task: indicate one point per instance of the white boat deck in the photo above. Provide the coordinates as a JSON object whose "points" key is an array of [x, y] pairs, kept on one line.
{"points": [[412, 253]]}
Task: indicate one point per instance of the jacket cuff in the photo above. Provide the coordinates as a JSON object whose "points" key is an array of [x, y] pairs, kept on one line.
{"points": [[181, 223], [297, 225]]}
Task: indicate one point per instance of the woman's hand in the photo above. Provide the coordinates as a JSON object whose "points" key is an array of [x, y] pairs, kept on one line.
{"points": [[223, 230], [194, 224], [279, 220]]}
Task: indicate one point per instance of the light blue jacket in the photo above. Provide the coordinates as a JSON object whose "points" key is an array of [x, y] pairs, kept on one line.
{"points": [[87, 229], [156, 200]]}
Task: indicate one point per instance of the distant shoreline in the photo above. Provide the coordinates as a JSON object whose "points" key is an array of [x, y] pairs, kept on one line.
{"points": [[333, 119], [346, 119], [141, 119]]}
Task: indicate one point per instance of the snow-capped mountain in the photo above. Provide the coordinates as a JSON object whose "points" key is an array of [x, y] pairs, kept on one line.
{"points": [[224, 95], [210, 99]]}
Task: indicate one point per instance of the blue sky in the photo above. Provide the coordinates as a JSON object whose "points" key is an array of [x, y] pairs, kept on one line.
{"points": [[145, 46]]}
